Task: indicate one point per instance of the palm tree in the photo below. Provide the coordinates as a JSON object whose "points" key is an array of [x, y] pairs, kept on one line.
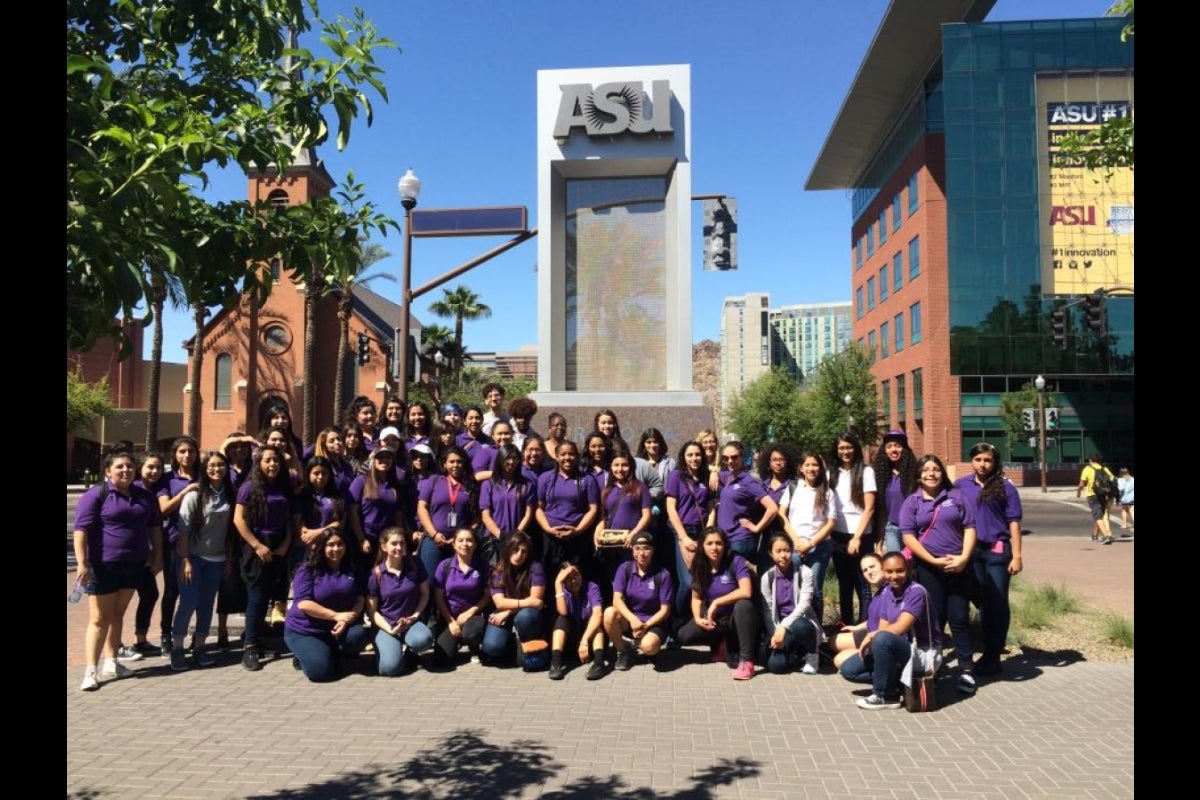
{"points": [[342, 286], [163, 286], [461, 303]]}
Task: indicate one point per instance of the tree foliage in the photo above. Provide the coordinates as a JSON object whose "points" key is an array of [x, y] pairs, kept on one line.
{"points": [[161, 91], [86, 402], [465, 387], [770, 408], [459, 304]]}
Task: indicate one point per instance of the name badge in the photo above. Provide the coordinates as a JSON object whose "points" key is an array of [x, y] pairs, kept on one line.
{"points": [[452, 518]]}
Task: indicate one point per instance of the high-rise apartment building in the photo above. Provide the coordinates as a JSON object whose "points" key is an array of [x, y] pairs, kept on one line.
{"points": [[802, 335], [745, 343]]}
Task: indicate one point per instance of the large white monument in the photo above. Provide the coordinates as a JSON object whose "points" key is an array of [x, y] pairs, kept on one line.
{"points": [[614, 244]]}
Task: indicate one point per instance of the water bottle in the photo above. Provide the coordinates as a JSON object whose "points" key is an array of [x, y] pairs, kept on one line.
{"points": [[76, 593]]}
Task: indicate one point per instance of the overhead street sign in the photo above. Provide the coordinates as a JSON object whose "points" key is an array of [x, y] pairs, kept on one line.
{"points": [[494, 221]]}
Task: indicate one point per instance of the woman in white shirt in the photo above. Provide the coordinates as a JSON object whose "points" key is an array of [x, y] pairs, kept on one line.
{"points": [[853, 535], [809, 509]]}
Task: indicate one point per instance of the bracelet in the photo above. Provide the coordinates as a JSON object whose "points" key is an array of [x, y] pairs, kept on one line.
{"points": [[561, 594]]}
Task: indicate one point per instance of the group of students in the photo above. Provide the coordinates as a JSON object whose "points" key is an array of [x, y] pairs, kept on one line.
{"points": [[421, 538]]}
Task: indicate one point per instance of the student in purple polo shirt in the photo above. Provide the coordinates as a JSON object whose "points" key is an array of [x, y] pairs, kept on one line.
{"points": [[518, 587], [151, 479], [624, 505], [418, 426], [897, 613], [568, 506], [997, 554], [319, 506], [579, 623], [393, 412], [445, 504], [723, 614], [778, 463], [502, 434], [378, 502], [331, 446], [356, 452], [938, 525], [460, 592], [118, 533], [895, 468], [263, 518], [363, 413], [178, 484], [472, 431], [850, 637], [641, 609], [533, 458], [743, 507], [397, 596], [507, 498], [325, 620], [596, 455], [687, 508], [791, 624]]}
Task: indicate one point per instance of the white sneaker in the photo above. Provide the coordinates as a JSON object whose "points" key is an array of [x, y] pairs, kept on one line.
{"points": [[115, 669], [90, 684], [810, 664]]}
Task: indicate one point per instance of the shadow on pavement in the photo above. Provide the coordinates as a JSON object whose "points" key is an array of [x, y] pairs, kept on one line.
{"points": [[464, 764]]}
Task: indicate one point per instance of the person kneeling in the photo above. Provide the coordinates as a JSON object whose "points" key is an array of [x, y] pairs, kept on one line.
{"points": [[791, 624], [324, 622], [641, 605], [579, 623]]}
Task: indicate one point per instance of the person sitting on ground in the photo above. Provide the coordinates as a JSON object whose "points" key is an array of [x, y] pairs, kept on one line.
{"points": [[641, 609], [460, 594], [850, 637], [790, 623], [518, 588], [397, 596], [723, 614], [324, 622], [579, 624]]}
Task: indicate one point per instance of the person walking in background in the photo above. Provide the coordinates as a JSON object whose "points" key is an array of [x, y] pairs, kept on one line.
{"points": [[1125, 487], [1097, 484]]}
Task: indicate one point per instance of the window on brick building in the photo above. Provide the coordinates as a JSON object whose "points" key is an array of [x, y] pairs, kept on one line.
{"points": [[223, 394]]}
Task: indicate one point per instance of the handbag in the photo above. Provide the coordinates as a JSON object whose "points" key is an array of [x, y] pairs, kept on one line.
{"points": [[533, 655], [920, 690], [612, 537]]}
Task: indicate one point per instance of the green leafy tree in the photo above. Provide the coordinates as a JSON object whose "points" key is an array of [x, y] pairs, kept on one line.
{"points": [[161, 91], [1012, 412], [465, 387], [86, 402], [770, 408], [342, 284], [459, 304], [164, 286], [839, 375], [1110, 145]]}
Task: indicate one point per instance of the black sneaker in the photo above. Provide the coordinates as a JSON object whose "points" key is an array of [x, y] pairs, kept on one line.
{"points": [[146, 649], [557, 672], [624, 660], [250, 658], [165, 647], [877, 702], [988, 669], [127, 653], [596, 671], [202, 656], [178, 660]]}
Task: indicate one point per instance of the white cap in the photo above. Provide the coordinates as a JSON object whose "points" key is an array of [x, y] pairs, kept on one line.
{"points": [[390, 430]]}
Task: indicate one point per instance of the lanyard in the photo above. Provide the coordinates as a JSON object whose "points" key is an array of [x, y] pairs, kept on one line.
{"points": [[450, 489]]}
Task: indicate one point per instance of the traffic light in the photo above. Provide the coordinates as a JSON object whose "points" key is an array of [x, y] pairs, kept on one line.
{"points": [[1029, 415], [1058, 325], [364, 349], [720, 234], [1096, 314], [1051, 419]]}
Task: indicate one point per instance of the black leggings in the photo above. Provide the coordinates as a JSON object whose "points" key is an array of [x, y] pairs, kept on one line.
{"points": [[472, 636], [741, 632], [850, 579], [147, 592]]}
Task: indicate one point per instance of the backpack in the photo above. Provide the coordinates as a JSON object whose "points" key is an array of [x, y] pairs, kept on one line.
{"points": [[1103, 485]]}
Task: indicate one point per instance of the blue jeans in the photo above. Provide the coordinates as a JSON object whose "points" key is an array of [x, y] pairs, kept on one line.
{"points": [[889, 653], [746, 548], [198, 597], [319, 654], [498, 639], [817, 560], [856, 669], [431, 555], [991, 575], [893, 542], [391, 649], [683, 578], [799, 638]]}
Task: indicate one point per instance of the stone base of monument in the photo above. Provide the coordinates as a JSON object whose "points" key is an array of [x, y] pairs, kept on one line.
{"points": [[679, 415]]}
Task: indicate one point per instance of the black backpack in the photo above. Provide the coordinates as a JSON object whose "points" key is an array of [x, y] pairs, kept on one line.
{"points": [[1103, 485]]}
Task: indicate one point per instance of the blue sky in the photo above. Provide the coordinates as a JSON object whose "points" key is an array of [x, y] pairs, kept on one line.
{"points": [[768, 79]]}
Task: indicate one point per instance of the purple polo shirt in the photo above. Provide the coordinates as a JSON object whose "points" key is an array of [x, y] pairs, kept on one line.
{"points": [[343, 476], [725, 582], [954, 514], [468, 442], [376, 513], [991, 518], [272, 530], [462, 590], [397, 596], [887, 607], [533, 475], [537, 577], [168, 487], [566, 500], [579, 607], [483, 457], [691, 497], [507, 501], [894, 497], [776, 493], [739, 498], [785, 593], [318, 510], [436, 494], [623, 510], [337, 591], [644, 594], [119, 528], [413, 441]]}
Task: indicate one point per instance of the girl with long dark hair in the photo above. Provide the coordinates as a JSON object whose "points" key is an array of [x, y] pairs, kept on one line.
{"points": [[895, 469], [518, 588], [378, 502], [447, 503], [853, 531], [809, 509], [507, 498], [178, 484], [325, 621], [687, 508], [723, 612], [744, 509]]}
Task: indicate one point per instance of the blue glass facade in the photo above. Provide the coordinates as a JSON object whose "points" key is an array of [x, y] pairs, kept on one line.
{"points": [[999, 320]]}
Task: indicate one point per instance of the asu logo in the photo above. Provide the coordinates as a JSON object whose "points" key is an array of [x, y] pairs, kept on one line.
{"points": [[1073, 215], [614, 108]]}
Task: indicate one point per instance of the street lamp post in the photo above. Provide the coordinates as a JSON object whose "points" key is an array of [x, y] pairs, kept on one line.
{"points": [[849, 417], [1039, 383], [409, 186]]}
